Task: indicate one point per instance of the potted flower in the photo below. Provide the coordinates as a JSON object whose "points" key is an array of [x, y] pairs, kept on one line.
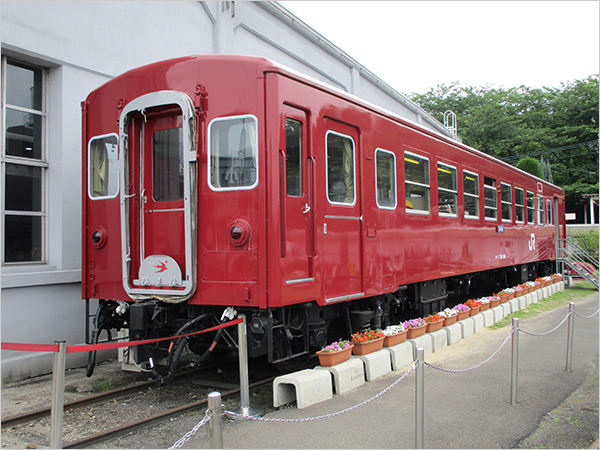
{"points": [[335, 353], [557, 277], [416, 327], [463, 311], [496, 299], [485, 303], [538, 284], [518, 290], [434, 322], [474, 305], [394, 335], [449, 315], [366, 342], [507, 294]]}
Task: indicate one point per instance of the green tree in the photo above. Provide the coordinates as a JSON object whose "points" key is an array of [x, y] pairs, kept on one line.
{"points": [[532, 166]]}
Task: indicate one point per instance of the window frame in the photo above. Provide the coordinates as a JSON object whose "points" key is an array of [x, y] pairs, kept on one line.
{"points": [[414, 183], [549, 220], [115, 168], [530, 208], [393, 178], [353, 169], [455, 192], [298, 190], [522, 206], [540, 211], [476, 196], [485, 207], [210, 153], [41, 163], [504, 202]]}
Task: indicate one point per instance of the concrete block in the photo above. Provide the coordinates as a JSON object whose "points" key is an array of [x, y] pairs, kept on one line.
{"points": [[535, 295], [401, 355], [439, 339], [522, 301], [424, 341], [467, 327], [377, 364], [498, 313], [561, 285], [488, 317], [506, 307], [478, 322], [545, 292], [529, 299], [347, 375], [454, 333], [307, 387], [553, 289], [514, 305]]}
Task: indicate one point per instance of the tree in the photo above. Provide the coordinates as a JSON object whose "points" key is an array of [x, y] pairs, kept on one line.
{"points": [[532, 166]]}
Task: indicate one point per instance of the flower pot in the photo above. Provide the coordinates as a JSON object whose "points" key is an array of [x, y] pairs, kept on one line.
{"points": [[526, 290], [416, 332], [505, 298], [364, 348], [495, 303], [395, 339], [450, 320], [474, 310], [329, 359], [434, 326], [484, 307], [518, 293], [463, 315]]}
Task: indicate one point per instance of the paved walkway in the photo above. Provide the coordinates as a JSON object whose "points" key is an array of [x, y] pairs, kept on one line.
{"points": [[462, 410]]}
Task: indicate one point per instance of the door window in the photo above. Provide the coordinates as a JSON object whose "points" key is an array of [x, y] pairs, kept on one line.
{"points": [[293, 157], [340, 169], [167, 165]]}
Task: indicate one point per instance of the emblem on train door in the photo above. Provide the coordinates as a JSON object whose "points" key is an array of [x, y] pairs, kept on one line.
{"points": [[159, 270]]}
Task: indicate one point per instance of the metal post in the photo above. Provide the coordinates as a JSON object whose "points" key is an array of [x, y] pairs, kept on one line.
{"points": [[514, 365], [58, 395], [245, 408], [420, 399], [570, 330], [215, 424]]}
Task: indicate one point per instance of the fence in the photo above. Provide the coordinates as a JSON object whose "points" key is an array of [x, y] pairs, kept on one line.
{"points": [[215, 414]]}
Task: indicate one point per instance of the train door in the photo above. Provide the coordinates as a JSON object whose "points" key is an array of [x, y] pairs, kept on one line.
{"points": [[342, 271], [297, 213], [157, 136]]}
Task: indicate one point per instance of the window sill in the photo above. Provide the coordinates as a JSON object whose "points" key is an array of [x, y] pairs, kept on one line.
{"points": [[15, 277]]}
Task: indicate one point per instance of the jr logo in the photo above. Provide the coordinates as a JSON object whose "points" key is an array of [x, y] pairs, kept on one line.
{"points": [[532, 242]]}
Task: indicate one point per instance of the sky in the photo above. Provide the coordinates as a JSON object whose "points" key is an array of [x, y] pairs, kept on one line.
{"points": [[417, 45]]}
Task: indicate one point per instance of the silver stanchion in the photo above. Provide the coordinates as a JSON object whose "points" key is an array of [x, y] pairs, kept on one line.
{"points": [[244, 409], [215, 424], [570, 330], [58, 395], [420, 399], [514, 365]]}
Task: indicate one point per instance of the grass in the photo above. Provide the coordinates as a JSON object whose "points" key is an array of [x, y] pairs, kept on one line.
{"points": [[102, 385], [562, 298]]}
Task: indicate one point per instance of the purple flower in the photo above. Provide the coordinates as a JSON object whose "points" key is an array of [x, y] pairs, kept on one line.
{"points": [[461, 307], [414, 323]]}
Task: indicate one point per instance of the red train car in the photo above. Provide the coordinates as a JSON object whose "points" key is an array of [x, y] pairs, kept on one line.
{"points": [[222, 184]]}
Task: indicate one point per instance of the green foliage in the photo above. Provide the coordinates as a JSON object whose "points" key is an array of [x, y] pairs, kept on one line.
{"points": [[558, 124], [588, 241], [102, 385], [532, 166]]}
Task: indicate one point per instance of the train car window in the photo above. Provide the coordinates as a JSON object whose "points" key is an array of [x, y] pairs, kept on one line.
{"points": [[519, 205], [549, 211], [490, 198], [506, 202], [447, 190], [233, 153], [385, 172], [416, 175], [340, 168], [530, 208], [167, 165], [102, 167], [471, 186], [293, 157], [540, 210]]}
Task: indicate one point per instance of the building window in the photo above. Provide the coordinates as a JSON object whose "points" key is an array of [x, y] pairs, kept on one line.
{"points": [[506, 202], [340, 169], [385, 172], [416, 175], [549, 211], [447, 190], [530, 208], [24, 162], [540, 210], [491, 200], [471, 186], [519, 205]]}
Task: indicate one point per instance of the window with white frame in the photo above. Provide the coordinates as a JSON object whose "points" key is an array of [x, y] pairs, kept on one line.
{"points": [[549, 211], [447, 190], [530, 208], [471, 187], [385, 173], [540, 210], [519, 205], [506, 202], [416, 178], [490, 198], [24, 163]]}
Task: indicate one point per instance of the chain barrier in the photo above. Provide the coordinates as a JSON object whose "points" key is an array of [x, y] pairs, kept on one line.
{"points": [[476, 366], [324, 416], [186, 437], [547, 332], [587, 317]]}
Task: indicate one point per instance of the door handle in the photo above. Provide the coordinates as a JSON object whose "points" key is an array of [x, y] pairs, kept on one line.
{"points": [[306, 208]]}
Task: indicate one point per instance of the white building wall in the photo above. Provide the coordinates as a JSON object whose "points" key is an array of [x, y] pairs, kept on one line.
{"points": [[84, 44]]}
